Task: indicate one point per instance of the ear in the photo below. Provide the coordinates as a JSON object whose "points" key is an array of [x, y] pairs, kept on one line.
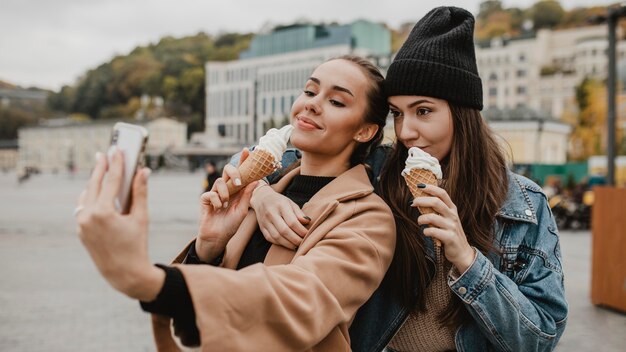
{"points": [[366, 133]]}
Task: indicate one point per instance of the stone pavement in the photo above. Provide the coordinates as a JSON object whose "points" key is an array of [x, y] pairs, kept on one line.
{"points": [[52, 299]]}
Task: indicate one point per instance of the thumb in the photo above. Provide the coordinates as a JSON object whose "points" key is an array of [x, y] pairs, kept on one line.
{"points": [[139, 206]]}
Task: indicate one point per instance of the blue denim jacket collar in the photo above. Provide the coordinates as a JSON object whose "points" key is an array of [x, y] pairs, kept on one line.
{"points": [[518, 206]]}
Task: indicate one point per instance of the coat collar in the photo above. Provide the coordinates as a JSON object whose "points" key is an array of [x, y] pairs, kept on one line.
{"points": [[352, 184], [518, 206]]}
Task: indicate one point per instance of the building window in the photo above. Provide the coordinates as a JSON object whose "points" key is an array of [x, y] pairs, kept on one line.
{"points": [[282, 105], [521, 90], [493, 91], [522, 57], [521, 73], [493, 76]]}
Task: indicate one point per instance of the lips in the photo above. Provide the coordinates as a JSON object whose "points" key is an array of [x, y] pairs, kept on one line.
{"points": [[307, 123]]}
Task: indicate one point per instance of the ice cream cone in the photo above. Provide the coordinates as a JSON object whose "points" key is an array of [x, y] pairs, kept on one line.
{"points": [[415, 177], [260, 163]]}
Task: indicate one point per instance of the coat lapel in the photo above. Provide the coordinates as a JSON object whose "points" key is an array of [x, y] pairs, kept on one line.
{"points": [[352, 184]]}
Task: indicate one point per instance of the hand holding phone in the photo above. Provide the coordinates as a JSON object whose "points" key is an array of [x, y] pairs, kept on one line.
{"points": [[131, 139]]}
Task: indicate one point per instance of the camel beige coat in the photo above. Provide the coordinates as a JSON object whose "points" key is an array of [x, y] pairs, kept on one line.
{"points": [[295, 301]]}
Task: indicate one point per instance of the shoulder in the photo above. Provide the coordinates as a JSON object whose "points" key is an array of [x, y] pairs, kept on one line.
{"points": [[524, 199]]}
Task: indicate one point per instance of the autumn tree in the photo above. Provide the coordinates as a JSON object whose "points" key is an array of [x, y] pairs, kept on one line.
{"points": [[589, 135], [546, 14]]}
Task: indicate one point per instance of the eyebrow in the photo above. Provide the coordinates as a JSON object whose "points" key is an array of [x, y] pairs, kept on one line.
{"points": [[338, 88], [420, 101], [413, 104]]}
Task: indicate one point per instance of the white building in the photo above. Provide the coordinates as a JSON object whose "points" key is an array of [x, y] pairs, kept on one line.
{"points": [[530, 137], [541, 71], [61, 144], [246, 97]]}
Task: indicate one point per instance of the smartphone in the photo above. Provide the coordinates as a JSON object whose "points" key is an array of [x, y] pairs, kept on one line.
{"points": [[132, 140]]}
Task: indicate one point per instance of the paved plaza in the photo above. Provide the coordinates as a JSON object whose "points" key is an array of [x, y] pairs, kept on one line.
{"points": [[52, 299]]}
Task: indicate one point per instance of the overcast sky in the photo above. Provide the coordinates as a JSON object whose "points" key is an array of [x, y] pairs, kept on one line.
{"points": [[50, 43]]}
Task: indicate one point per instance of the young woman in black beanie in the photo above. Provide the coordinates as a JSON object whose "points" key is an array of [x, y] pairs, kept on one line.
{"points": [[496, 281]]}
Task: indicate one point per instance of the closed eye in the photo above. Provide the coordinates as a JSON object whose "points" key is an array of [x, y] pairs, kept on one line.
{"points": [[337, 103]]}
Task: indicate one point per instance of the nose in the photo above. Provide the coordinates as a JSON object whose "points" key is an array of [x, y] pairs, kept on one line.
{"points": [[406, 131], [312, 105]]}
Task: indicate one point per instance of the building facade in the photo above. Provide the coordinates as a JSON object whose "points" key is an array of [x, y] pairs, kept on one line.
{"points": [[64, 145], [246, 97], [528, 136], [541, 70]]}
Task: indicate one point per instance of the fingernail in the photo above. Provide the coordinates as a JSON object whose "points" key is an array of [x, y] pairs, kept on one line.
{"points": [[421, 185], [147, 172], [98, 156], [225, 205], [237, 182], [308, 218]]}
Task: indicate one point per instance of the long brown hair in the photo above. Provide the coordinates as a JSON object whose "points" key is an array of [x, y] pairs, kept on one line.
{"points": [[475, 177]]}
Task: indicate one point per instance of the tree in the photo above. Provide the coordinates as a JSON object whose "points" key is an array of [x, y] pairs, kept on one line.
{"points": [[486, 8], [497, 24], [546, 14], [589, 135]]}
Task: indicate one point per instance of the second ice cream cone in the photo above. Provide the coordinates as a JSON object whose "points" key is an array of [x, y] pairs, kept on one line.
{"points": [[260, 163]]}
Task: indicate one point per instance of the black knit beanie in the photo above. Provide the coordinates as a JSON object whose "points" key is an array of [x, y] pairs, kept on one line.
{"points": [[438, 60]]}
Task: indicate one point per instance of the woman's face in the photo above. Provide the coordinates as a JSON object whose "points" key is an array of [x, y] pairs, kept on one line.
{"points": [[329, 113], [423, 122]]}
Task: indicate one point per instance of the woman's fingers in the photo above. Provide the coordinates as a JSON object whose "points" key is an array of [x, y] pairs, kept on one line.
{"points": [[222, 191], [435, 220], [439, 234], [245, 153], [211, 199], [272, 235], [432, 202], [139, 206], [113, 181], [231, 173], [295, 220], [95, 181], [441, 194]]}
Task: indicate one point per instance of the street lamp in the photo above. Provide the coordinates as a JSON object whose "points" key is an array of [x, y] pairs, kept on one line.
{"points": [[611, 18]]}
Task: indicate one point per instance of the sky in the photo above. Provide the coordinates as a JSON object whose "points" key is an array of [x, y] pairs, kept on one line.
{"points": [[50, 43]]}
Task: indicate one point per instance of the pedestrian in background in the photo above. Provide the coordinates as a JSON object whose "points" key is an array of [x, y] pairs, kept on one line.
{"points": [[211, 175]]}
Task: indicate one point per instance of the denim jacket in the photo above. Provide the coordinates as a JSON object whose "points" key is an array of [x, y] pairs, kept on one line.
{"points": [[516, 297]]}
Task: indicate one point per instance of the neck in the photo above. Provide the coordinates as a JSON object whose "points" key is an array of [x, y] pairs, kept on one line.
{"points": [[324, 165]]}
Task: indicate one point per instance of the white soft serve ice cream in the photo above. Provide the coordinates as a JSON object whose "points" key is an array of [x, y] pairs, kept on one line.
{"points": [[275, 141], [419, 159]]}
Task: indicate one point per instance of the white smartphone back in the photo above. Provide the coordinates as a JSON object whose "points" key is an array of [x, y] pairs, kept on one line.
{"points": [[132, 140]]}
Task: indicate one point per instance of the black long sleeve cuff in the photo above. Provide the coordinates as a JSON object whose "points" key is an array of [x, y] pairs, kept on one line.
{"points": [[174, 301]]}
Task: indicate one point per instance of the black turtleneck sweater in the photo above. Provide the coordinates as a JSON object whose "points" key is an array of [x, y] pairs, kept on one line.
{"points": [[174, 300]]}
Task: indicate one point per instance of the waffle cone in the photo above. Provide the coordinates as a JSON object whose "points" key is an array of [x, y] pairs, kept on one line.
{"points": [[415, 177], [260, 163]]}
